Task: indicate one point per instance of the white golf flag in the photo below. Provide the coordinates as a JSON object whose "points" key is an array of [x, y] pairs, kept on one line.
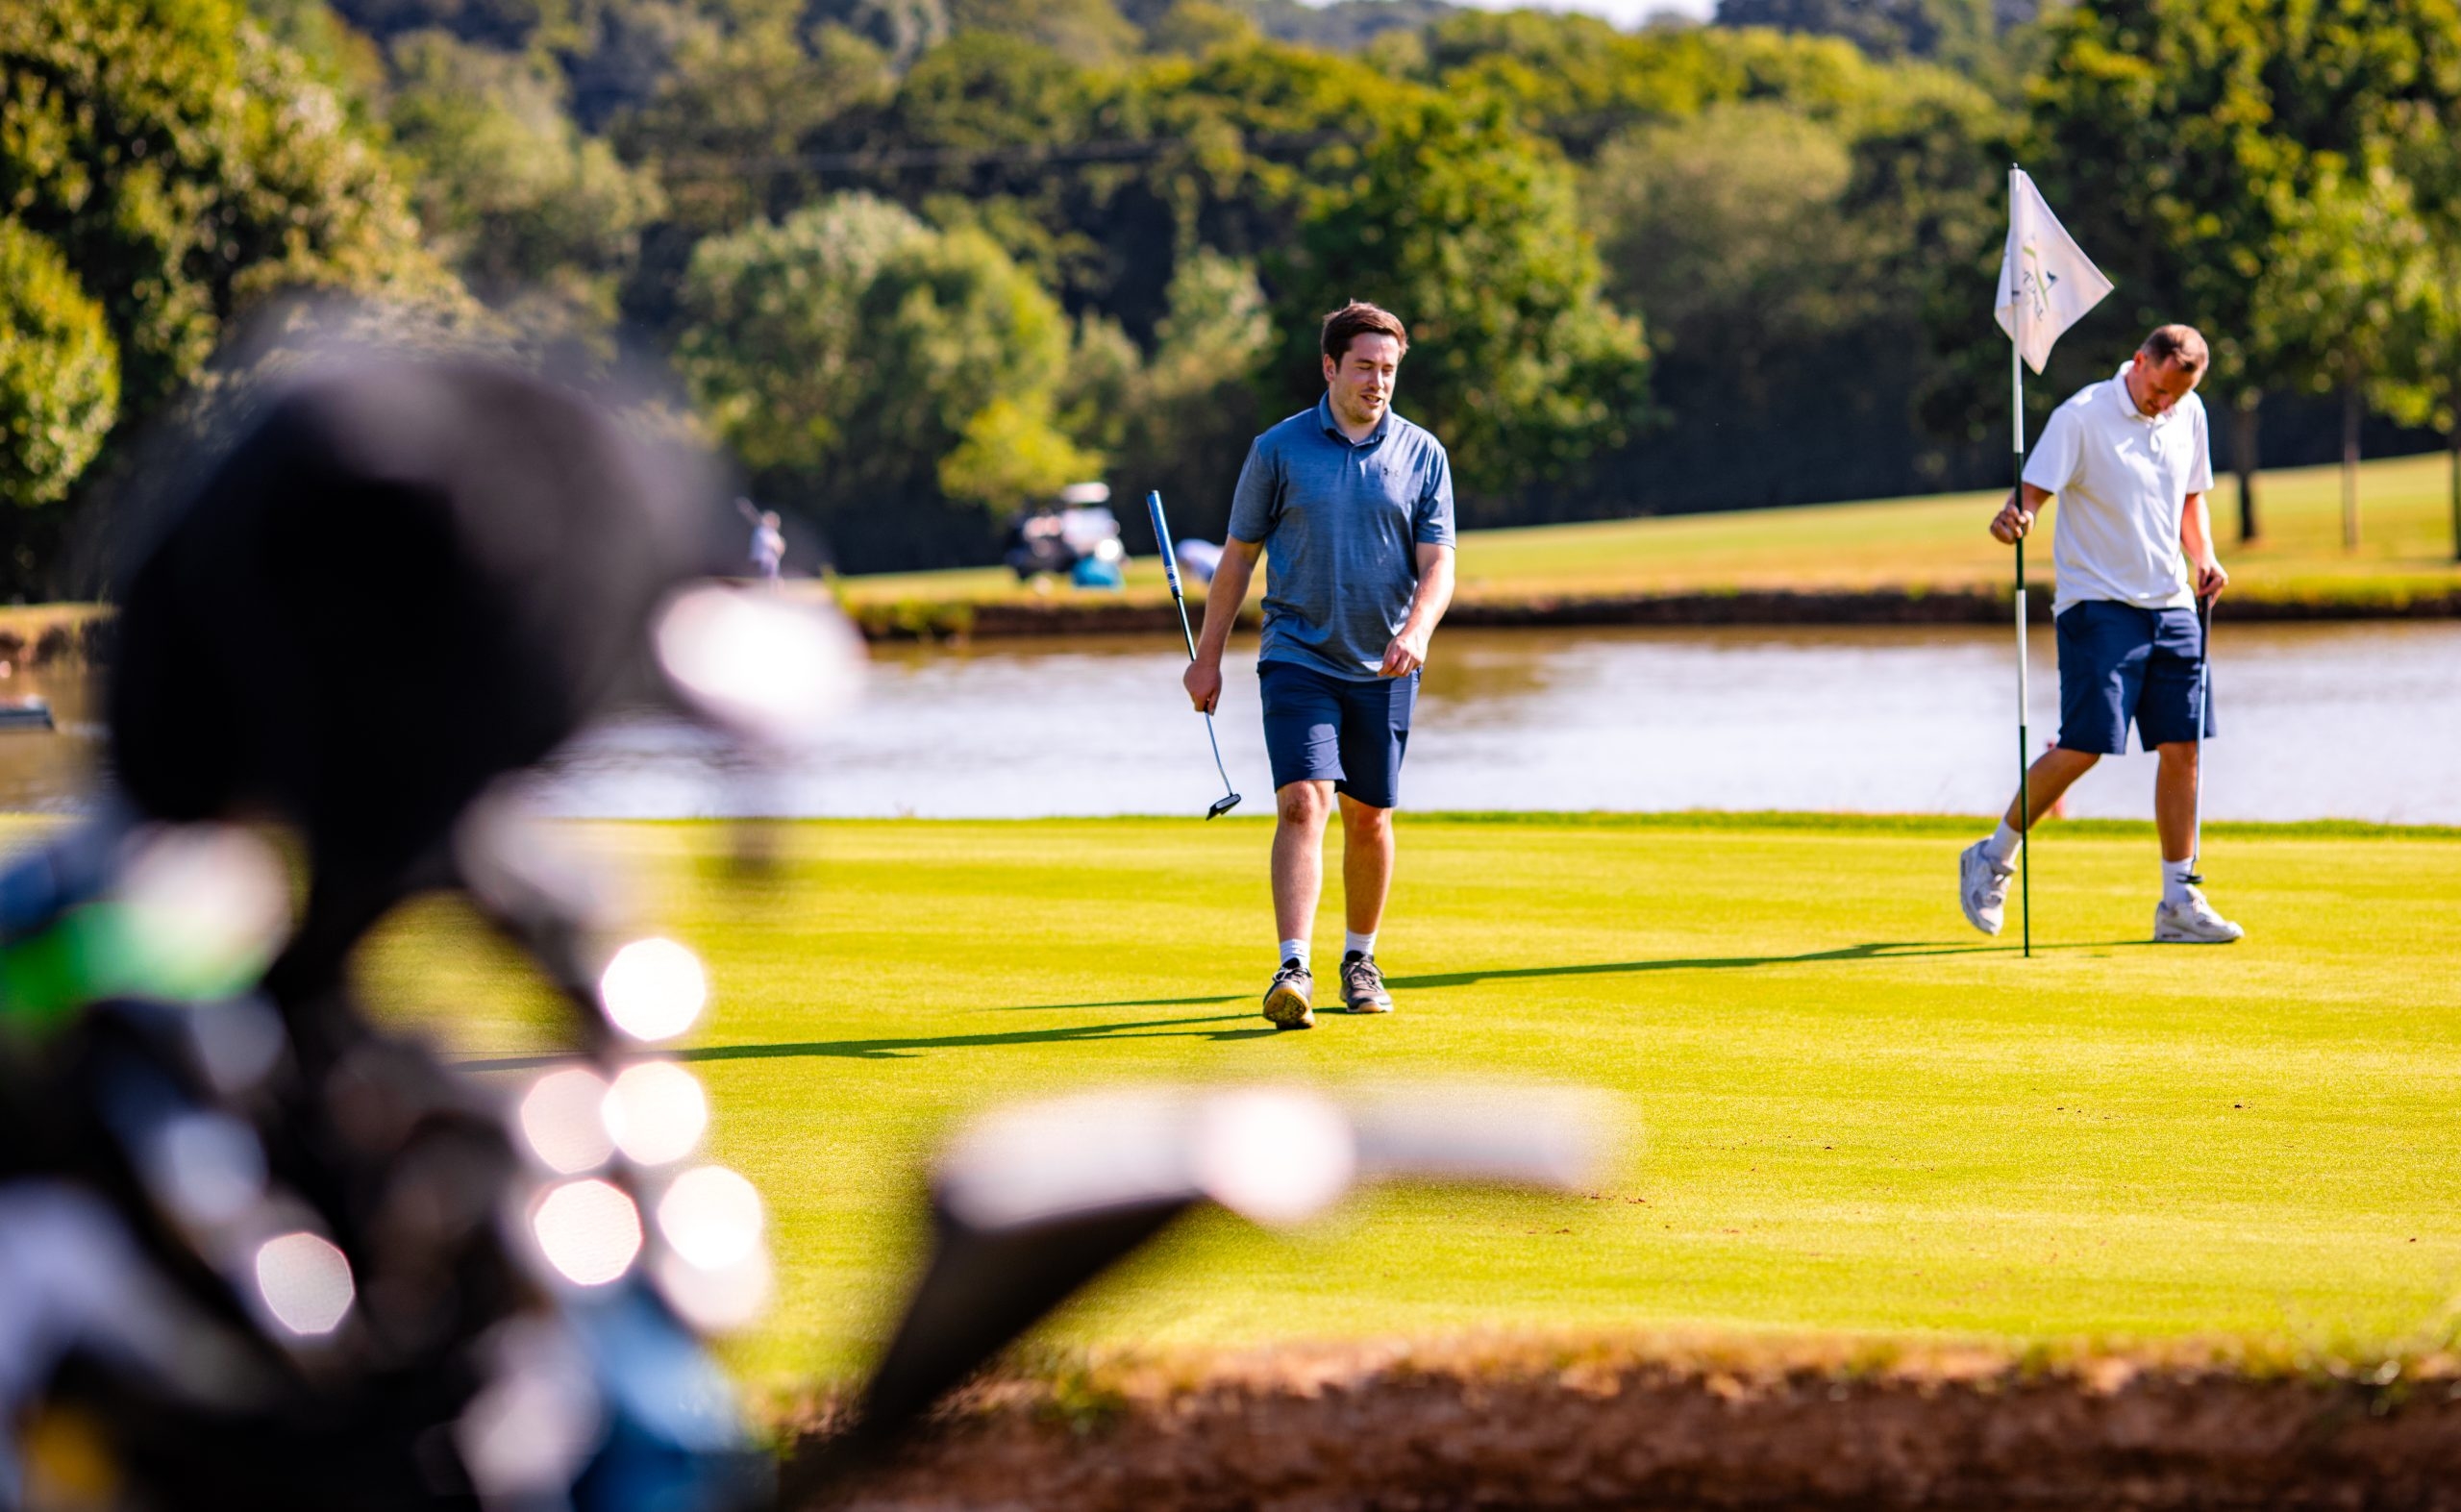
{"points": [[2045, 284]]}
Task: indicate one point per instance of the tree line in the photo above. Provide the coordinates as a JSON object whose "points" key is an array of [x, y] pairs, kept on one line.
{"points": [[914, 263]]}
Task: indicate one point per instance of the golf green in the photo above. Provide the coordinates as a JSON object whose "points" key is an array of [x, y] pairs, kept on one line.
{"points": [[1842, 1110]]}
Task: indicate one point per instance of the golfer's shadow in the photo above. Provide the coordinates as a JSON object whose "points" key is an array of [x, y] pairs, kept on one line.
{"points": [[1870, 951], [908, 1048]]}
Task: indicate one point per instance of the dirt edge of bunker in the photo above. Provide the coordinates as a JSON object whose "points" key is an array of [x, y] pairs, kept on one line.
{"points": [[1570, 1427]]}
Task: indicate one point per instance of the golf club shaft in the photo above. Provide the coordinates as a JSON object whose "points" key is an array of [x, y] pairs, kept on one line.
{"points": [[1216, 742], [2203, 701], [1178, 600]]}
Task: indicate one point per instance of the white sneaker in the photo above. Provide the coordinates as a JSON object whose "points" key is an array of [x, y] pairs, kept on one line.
{"points": [[1982, 887], [2191, 923]]}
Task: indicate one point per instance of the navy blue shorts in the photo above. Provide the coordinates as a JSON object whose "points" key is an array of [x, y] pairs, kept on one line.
{"points": [[2116, 663], [1349, 731]]}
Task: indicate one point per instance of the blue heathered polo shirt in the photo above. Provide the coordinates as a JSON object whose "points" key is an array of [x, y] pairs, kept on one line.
{"points": [[1342, 522]]}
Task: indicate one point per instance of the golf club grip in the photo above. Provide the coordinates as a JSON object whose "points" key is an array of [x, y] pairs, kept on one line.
{"points": [[1163, 539]]}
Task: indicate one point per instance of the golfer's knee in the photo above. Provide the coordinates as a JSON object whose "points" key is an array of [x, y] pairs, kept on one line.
{"points": [[1362, 822], [1305, 803], [2177, 754]]}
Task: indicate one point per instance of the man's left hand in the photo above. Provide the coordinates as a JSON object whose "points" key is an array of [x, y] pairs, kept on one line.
{"points": [[1405, 656], [2211, 579]]}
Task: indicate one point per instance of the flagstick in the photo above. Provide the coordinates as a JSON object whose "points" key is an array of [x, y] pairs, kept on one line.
{"points": [[2025, 742]]}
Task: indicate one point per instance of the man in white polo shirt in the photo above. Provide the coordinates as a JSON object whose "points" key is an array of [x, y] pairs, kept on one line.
{"points": [[2128, 462]]}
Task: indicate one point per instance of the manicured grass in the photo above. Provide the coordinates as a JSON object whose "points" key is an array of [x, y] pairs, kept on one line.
{"points": [[1930, 543], [1844, 1112]]}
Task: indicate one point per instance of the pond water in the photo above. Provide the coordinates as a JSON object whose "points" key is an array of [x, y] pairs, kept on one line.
{"points": [[2332, 721]]}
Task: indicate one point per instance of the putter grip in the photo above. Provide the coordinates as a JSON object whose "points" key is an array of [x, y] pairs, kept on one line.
{"points": [[1162, 538]]}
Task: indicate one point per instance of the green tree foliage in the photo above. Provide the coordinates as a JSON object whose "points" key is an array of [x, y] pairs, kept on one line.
{"points": [[506, 25], [186, 167], [1731, 228], [723, 128], [59, 373], [2180, 140], [1581, 81], [1467, 230], [1186, 425], [1083, 32], [1010, 452], [770, 349], [1194, 28], [2349, 261], [508, 190], [1960, 31], [850, 352], [2420, 384], [903, 30]]}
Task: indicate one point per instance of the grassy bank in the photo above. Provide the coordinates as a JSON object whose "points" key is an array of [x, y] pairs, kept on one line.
{"points": [[1928, 546], [1846, 1114]]}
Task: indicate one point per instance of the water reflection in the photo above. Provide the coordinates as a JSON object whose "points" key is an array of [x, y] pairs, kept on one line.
{"points": [[49, 771], [2355, 721]]}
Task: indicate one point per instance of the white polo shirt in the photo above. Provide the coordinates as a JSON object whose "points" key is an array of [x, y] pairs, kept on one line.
{"points": [[2123, 481]]}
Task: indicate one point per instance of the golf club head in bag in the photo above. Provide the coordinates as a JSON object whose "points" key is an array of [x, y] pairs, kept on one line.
{"points": [[262, 1249], [1031, 1204]]}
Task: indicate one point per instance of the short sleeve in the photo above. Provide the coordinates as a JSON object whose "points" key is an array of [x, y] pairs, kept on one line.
{"points": [[1431, 520], [2201, 466], [1256, 502], [2052, 465]]}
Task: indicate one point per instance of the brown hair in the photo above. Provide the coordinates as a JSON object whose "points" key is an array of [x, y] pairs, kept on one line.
{"points": [[2184, 345], [1356, 319]]}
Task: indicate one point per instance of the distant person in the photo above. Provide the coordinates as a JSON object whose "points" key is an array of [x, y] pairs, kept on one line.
{"points": [[2128, 460], [1352, 507], [768, 547]]}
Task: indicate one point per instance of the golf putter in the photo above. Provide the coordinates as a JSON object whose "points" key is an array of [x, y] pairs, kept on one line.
{"points": [[1229, 799], [2203, 698]]}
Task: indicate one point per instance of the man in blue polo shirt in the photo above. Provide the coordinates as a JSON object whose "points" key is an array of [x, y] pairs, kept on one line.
{"points": [[1351, 507]]}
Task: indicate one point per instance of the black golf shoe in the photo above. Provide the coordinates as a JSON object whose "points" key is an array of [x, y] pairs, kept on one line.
{"points": [[1288, 1001], [1363, 986]]}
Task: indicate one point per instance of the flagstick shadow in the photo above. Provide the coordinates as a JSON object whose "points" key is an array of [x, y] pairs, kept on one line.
{"points": [[1875, 951]]}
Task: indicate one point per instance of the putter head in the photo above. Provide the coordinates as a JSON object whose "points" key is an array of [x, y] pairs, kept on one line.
{"points": [[1223, 805]]}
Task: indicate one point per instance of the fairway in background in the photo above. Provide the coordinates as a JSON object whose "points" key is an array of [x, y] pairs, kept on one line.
{"points": [[1930, 544], [1847, 1112]]}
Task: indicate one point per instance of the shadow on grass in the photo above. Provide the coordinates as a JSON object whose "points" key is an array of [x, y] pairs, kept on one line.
{"points": [[1873, 951], [907, 1048], [1193, 1027]]}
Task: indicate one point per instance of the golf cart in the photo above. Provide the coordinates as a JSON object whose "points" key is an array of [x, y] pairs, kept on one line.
{"points": [[1075, 533]]}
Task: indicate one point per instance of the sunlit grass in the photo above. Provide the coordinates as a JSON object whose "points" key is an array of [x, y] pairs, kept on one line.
{"points": [[1843, 1111]]}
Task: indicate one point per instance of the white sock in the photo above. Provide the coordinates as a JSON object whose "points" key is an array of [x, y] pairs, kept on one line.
{"points": [[2175, 881], [2003, 845], [1354, 942], [1294, 951]]}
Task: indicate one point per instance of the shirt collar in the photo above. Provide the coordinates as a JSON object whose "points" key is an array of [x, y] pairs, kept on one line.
{"points": [[2127, 401], [1332, 427]]}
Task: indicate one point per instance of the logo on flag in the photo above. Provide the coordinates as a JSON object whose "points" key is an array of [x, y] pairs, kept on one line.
{"points": [[2045, 283]]}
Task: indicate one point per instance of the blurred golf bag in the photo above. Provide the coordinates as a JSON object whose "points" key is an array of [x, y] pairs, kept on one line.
{"points": [[257, 1251]]}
